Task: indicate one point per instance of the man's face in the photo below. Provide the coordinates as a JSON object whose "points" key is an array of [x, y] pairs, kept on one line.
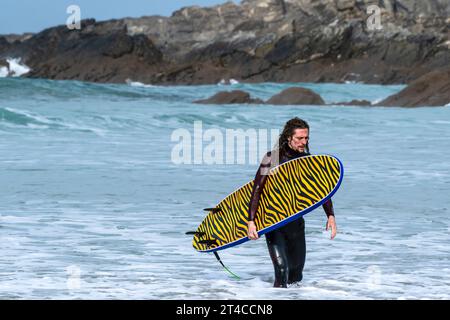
{"points": [[299, 140]]}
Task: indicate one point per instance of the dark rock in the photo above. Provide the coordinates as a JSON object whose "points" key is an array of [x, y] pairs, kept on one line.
{"points": [[4, 45], [4, 63], [249, 25], [432, 89], [297, 96], [210, 52], [145, 50], [362, 103], [116, 46], [283, 49], [232, 97], [17, 38], [343, 5]]}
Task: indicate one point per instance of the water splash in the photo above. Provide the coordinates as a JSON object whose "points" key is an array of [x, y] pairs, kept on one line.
{"points": [[15, 69]]}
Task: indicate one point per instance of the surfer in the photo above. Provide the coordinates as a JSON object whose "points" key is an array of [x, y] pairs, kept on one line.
{"points": [[287, 246]]}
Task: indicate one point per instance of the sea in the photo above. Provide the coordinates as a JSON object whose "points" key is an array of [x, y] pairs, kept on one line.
{"points": [[101, 182]]}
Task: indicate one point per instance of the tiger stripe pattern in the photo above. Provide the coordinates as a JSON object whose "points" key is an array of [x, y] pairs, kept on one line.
{"points": [[290, 189]]}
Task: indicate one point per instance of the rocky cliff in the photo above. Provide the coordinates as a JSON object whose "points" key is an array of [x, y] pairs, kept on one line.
{"points": [[257, 40]]}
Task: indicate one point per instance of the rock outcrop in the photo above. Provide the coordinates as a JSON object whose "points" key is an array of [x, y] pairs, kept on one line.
{"points": [[257, 40], [232, 97], [432, 89], [361, 103], [290, 96], [296, 96], [99, 52]]}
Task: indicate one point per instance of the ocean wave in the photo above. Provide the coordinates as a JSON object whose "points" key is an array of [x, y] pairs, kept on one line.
{"points": [[14, 118], [44, 89], [209, 119], [19, 118], [138, 84]]}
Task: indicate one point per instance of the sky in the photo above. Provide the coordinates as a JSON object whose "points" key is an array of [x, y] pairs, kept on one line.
{"points": [[20, 16]]}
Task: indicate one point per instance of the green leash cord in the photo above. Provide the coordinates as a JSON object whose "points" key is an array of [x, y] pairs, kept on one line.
{"points": [[218, 259], [215, 253]]}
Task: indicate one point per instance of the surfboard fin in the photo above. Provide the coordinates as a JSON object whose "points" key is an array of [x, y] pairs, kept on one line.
{"points": [[196, 233], [213, 210]]}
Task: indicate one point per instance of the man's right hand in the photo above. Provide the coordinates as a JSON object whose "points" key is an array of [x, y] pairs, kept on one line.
{"points": [[252, 233]]}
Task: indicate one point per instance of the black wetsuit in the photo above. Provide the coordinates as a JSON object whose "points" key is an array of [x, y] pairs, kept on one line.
{"points": [[287, 246]]}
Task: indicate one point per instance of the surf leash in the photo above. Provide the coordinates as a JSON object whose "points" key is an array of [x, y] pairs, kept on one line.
{"points": [[229, 271], [208, 243]]}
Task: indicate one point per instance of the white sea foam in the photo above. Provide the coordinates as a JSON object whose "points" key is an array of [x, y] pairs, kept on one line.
{"points": [[377, 101], [4, 72], [16, 69], [231, 82], [138, 84]]}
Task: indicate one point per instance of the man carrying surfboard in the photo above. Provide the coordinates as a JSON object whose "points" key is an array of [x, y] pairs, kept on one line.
{"points": [[287, 246]]}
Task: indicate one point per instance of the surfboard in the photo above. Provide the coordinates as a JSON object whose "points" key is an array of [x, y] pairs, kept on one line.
{"points": [[292, 190]]}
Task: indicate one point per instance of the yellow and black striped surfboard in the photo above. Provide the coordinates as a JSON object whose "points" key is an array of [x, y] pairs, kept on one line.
{"points": [[291, 190]]}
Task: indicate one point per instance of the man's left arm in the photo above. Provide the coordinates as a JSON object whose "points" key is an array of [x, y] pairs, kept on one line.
{"points": [[331, 222]]}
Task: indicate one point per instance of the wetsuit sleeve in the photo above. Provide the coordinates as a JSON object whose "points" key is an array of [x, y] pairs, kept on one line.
{"points": [[258, 186], [328, 207]]}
